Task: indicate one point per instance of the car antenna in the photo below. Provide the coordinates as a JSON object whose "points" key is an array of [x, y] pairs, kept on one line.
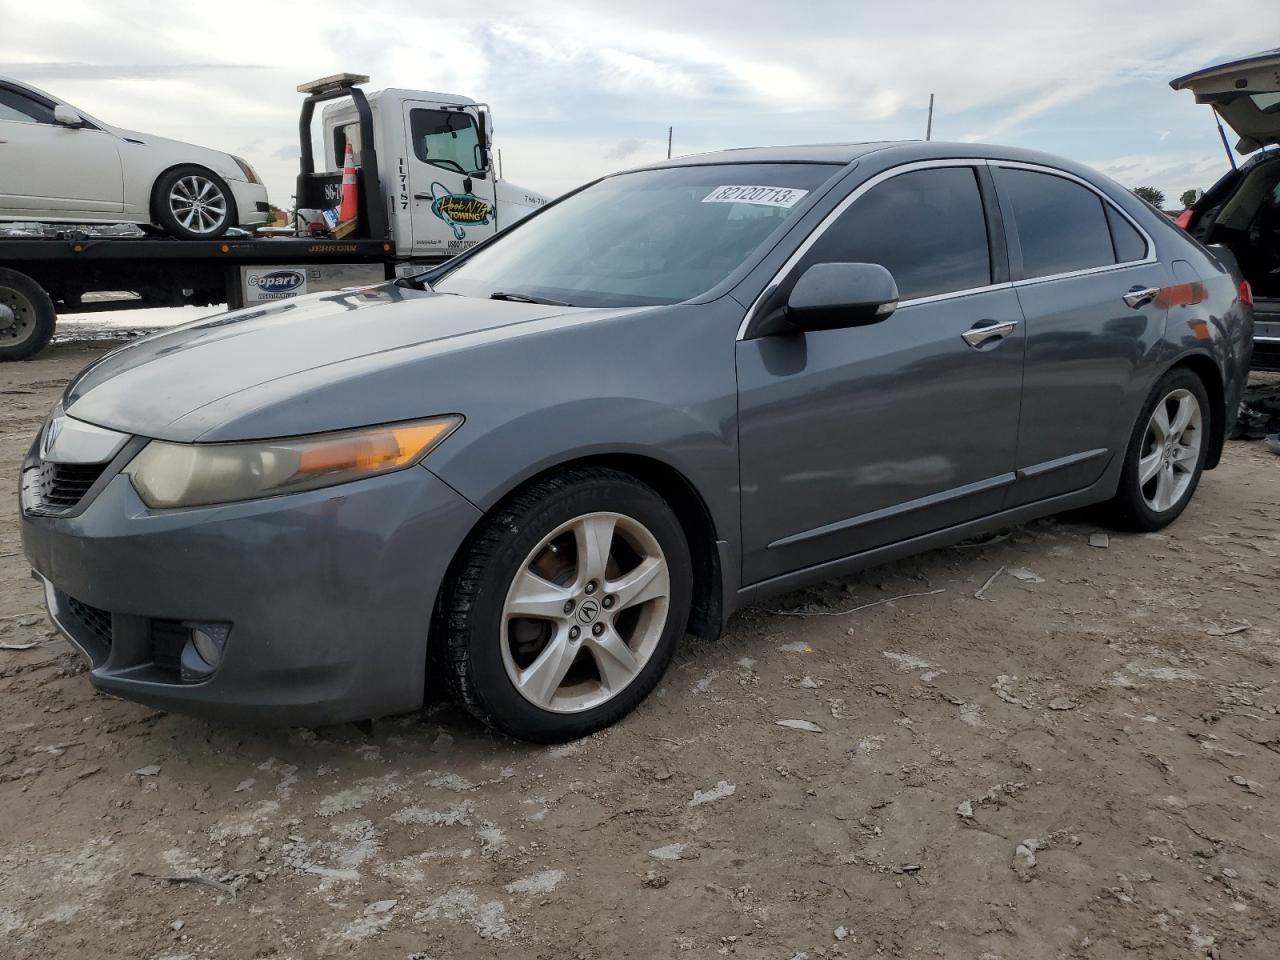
{"points": [[928, 127], [1223, 135]]}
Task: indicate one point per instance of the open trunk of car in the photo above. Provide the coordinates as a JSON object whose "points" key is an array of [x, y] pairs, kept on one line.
{"points": [[1242, 210]]}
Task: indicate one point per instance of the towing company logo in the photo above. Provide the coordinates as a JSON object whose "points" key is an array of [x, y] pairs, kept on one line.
{"points": [[277, 284], [459, 210]]}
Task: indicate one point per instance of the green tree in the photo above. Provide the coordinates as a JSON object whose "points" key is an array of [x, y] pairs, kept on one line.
{"points": [[1151, 195], [1189, 198]]}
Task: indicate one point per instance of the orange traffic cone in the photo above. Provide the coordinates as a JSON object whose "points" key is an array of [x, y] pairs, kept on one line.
{"points": [[347, 212]]}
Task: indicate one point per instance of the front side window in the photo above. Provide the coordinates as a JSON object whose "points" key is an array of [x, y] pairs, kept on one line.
{"points": [[643, 238], [926, 227], [446, 139], [19, 107], [1062, 226]]}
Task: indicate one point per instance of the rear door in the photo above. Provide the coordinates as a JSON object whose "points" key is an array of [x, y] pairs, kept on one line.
{"points": [[453, 198], [47, 169], [1088, 282], [854, 438]]}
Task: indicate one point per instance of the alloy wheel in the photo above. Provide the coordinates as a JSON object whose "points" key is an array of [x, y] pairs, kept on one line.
{"points": [[585, 612], [198, 204], [1170, 450]]}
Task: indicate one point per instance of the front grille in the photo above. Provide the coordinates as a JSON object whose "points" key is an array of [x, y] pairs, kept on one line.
{"points": [[97, 622], [54, 489]]}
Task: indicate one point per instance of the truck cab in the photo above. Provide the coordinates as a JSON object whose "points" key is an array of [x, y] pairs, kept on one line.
{"points": [[442, 189]]}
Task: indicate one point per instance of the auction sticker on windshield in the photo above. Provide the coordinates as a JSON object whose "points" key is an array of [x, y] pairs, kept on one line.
{"points": [[764, 196]]}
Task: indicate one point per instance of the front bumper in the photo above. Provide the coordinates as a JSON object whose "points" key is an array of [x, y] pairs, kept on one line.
{"points": [[329, 594], [251, 202]]}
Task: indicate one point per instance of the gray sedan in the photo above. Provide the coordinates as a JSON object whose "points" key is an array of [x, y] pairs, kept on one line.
{"points": [[668, 394]]}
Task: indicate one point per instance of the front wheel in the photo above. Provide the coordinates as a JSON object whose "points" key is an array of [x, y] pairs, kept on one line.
{"points": [[192, 203], [1166, 454], [567, 605]]}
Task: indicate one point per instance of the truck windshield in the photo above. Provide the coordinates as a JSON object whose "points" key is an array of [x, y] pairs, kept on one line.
{"points": [[643, 238]]}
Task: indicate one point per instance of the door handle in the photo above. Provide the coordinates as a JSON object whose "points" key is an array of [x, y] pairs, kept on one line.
{"points": [[985, 330], [1141, 296]]}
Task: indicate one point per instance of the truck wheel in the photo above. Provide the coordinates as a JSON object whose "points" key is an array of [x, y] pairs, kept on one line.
{"points": [[192, 203], [26, 316]]}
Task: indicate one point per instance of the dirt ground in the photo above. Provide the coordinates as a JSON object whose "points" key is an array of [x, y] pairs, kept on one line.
{"points": [[1082, 763]]}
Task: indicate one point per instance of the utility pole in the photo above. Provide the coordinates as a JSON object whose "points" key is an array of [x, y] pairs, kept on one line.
{"points": [[928, 130], [669, 129]]}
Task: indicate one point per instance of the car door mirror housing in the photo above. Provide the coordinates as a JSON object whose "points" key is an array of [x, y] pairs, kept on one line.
{"points": [[67, 116], [832, 295]]}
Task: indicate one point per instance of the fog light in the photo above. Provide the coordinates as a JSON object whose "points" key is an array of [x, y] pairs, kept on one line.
{"points": [[203, 651]]}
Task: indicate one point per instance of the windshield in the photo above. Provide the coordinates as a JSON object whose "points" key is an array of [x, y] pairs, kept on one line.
{"points": [[650, 237]]}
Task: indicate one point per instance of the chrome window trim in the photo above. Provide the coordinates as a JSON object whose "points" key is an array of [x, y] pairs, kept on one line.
{"points": [[892, 172]]}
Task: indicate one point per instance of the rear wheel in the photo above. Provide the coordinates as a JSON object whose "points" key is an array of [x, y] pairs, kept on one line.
{"points": [[27, 316], [192, 203], [1166, 454], [567, 605]]}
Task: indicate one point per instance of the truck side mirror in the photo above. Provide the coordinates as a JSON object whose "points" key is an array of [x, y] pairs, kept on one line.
{"points": [[482, 135]]}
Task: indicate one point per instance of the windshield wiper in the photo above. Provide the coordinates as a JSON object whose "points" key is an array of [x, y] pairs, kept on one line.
{"points": [[525, 298]]}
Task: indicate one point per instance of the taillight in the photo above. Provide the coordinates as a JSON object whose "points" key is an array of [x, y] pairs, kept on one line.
{"points": [[1184, 218], [1246, 293]]}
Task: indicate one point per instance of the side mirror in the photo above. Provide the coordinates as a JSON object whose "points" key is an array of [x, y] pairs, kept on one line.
{"points": [[829, 296], [67, 116], [482, 137]]}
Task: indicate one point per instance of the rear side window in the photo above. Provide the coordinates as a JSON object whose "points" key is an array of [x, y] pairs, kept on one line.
{"points": [[926, 227], [1062, 226], [1127, 241]]}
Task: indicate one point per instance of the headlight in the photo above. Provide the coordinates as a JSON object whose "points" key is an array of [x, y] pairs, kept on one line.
{"points": [[246, 168], [193, 474]]}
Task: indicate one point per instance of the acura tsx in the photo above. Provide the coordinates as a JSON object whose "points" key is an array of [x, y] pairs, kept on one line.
{"points": [[670, 393]]}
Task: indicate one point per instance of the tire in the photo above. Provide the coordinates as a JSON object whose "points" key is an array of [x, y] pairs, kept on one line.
{"points": [[1138, 504], [193, 203], [27, 316], [502, 664]]}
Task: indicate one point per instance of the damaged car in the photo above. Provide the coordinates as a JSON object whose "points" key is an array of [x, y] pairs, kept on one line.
{"points": [[665, 396]]}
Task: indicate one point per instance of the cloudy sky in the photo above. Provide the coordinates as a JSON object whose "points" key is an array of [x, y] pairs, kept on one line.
{"points": [[580, 89]]}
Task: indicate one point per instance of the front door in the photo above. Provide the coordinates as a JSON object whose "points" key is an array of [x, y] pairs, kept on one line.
{"points": [[453, 196], [47, 169], [854, 438]]}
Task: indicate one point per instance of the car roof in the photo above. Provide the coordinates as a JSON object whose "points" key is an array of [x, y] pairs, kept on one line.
{"points": [[903, 151]]}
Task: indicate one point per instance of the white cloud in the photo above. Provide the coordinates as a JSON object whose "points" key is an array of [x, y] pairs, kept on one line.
{"points": [[571, 83]]}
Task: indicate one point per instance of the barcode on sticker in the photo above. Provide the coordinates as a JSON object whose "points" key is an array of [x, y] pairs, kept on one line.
{"points": [[764, 196]]}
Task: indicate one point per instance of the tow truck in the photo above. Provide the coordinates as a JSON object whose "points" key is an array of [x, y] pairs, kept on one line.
{"points": [[427, 190]]}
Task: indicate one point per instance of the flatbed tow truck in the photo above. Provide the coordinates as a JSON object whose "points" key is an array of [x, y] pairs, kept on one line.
{"points": [[428, 189]]}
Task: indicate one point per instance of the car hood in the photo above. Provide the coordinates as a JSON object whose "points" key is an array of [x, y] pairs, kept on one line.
{"points": [[1245, 92], [179, 151], [178, 384]]}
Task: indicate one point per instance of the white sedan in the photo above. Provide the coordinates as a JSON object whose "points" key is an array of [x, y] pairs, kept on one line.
{"points": [[58, 164]]}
